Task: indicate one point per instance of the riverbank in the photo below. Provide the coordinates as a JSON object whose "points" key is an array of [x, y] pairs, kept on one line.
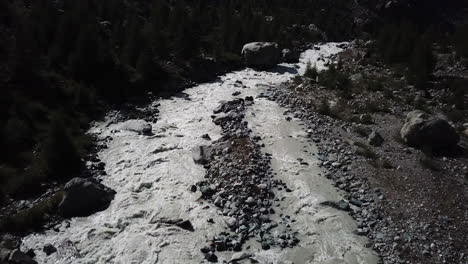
{"points": [[410, 203]]}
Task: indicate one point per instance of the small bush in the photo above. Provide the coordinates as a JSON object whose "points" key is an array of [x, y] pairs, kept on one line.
{"points": [[324, 107], [365, 150], [311, 72], [334, 79], [427, 161], [32, 217], [386, 164]]}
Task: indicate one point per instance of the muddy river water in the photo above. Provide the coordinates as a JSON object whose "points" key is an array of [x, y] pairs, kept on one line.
{"points": [[152, 176]]}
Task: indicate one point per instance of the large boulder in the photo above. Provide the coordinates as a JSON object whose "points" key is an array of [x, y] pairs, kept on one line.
{"points": [[202, 154], [289, 56], [261, 54], [421, 130], [136, 125], [84, 197]]}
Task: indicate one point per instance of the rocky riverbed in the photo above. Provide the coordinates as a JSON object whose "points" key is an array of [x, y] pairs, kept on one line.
{"points": [[263, 195]]}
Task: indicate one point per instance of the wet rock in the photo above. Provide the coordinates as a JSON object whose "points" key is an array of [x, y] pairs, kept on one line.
{"points": [[225, 118], [31, 253], [341, 205], [231, 222], [136, 125], [185, 224], [366, 119], [211, 257], [261, 54], [375, 139], [421, 130], [250, 200], [83, 197], [289, 56], [18, 257], [239, 257], [206, 136], [201, 154], [49, 249]]}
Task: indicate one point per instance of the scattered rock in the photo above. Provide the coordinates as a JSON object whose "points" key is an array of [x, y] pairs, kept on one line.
{"points": [[289, 56], [139, 126], [83, 197], [375, 139], [421, 130], [366, 119], [49, 249], [211, 257], [239, 256], [185, 224], [206, 136], [236, 93], [201, 154], [341, 205]]}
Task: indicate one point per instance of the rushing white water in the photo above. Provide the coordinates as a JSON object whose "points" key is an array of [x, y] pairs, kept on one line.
{"points": [[152, 176]]}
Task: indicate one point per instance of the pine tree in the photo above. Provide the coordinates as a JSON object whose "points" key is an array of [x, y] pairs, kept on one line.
{"points": [[83, 60], [421, 63], [61, 158], [461, 41], [131, 48]]}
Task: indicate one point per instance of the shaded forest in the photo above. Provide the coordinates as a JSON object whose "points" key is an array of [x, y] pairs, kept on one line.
{"points": [[63, 63]]}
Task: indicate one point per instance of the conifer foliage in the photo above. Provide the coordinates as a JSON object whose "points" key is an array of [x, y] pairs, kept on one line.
{"points": [[64, 58]]}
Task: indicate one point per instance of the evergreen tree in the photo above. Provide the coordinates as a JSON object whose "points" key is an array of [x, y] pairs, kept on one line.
{"points": [[461, 40], [131, 46], [83, 60], [61, 158], [421, 63]]}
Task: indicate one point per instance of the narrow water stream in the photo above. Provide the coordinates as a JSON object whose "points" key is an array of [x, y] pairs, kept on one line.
{"points": [[152, 176]]}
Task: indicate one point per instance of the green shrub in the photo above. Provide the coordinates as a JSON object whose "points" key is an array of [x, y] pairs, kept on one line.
{"points": [[335, 79], [311, 72], [33, 217], [365, 150]]}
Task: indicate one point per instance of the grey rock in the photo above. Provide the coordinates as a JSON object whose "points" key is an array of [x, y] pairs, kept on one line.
{"points": [[261, 54], [18, 257], [83, 197], [49, 249], [139, 126], [231, 221], [250, 200], [240, 256], [421, 130], [202, 154]]}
